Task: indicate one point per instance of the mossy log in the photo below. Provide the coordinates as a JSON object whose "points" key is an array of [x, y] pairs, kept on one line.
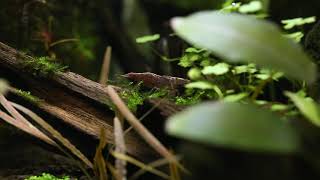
{"points": [[73, 99]]}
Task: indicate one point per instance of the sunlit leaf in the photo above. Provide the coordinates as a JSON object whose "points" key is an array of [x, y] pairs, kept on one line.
{"points": [[296, 37], [235, 97], [217, 69], [251, 7], [307, 106], [194, 50], [200, 85], [149, 38], [250, 68], [279, 107], [234, 125], [290, 23], [242, 38], [194, 73]]}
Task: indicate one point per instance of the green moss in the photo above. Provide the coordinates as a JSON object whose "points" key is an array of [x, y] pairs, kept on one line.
{"points": [[46, 176], [44, 66], [27, 96], [134, 96]]}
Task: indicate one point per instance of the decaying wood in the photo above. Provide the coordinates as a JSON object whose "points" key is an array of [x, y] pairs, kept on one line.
{"points": [[157, 81], [70, 97]]}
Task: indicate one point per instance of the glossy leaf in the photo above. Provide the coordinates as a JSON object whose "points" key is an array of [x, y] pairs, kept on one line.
{"points": [[242, 38], [307, 106], [217, 69], [234, 125]]}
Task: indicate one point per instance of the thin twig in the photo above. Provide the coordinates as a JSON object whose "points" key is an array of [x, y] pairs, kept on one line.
{"points": [[54, 133], [140, 164], [104, 75], [120, 148], [18, 117], [144, 116], [63, 41], [23, 127], [154, 164], [260, 87]]}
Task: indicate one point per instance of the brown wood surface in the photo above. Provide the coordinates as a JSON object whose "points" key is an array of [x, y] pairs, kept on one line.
{"points": [[75, 100]]}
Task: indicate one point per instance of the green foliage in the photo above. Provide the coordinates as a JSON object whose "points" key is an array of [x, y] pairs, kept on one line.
{"points": [[240, 126], [252, 7], [149, 38], [46, 176], [135, 96], [217, 69], [291, 23], [44, 66], [235, 97], [231, 37], [28, 96], [307, 106], [194, 73], [296, 36], [256, 53]]}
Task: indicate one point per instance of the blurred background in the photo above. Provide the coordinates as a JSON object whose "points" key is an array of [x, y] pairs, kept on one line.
{"points": [[77, 32]]}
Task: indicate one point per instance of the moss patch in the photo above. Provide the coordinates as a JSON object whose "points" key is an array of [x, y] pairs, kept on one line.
{"points": [[44, 66]]}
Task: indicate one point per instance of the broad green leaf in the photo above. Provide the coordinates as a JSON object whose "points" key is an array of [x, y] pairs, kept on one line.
{"points": [[217, 69], [234, 125], [307, 106], [242, 38], [148, 38]]}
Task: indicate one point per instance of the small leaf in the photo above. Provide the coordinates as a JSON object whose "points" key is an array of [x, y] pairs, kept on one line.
{"points": [[205, 85], [250, 68], [194, 50], [200, 85], [296, 37], [235, 97], [279, 107], [194, 73], [217, 69], [307, 106], [149, 38], [291, 23], [242, 38], [253, 6], [234, 125]]}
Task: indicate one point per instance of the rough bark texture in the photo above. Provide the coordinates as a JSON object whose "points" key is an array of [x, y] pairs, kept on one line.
{"points": [[69, 97]]}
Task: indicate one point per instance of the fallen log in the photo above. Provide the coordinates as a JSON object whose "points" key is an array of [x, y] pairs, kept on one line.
{"points": [[70, 97]]}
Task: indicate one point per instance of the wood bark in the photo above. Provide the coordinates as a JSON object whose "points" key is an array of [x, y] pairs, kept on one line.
{"points": [[75, 100]]}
